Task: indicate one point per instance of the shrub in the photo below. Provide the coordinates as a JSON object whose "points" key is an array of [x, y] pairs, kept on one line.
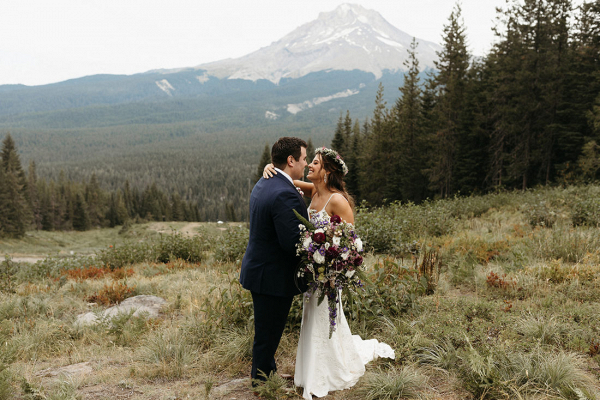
{"points": [[231, 246], [586, 210], [112, 293], [231, 306], [393, 228], [178, 246], [405, 383], [7, 270]]}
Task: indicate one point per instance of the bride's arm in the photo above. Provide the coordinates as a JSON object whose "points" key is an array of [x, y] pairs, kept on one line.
{"points": [[338, 205], [306, 187]]}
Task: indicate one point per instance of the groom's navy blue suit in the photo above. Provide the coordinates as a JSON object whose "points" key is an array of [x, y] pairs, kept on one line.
{"points": [[269, 264]]}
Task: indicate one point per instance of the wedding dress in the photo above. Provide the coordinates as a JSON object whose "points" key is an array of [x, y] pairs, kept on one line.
{"points": [[323, 364]]}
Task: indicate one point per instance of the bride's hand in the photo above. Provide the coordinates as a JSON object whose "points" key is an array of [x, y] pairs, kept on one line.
{"points": [[269, 171]]}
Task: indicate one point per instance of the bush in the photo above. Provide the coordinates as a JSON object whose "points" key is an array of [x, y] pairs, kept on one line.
{"points": [[178, 246], [231, 246], [393, 229], [586, 210]]}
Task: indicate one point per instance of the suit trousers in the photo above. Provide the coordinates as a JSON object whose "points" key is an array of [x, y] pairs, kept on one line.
{"points": [[270, 317]]}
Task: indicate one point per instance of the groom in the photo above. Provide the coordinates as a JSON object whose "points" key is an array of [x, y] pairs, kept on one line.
{"points": [[269, 265]]}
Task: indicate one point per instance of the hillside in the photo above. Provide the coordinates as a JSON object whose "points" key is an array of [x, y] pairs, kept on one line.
{"points": [[490, 297]]}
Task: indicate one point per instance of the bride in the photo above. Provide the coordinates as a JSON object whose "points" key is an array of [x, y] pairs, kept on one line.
{"points": [[324, 364]]}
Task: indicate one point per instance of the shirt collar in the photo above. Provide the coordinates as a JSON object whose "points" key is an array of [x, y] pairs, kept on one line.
{"points": [[289, 178]]}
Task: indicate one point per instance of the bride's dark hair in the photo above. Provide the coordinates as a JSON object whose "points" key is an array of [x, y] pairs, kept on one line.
{"points": [[335, 173]]}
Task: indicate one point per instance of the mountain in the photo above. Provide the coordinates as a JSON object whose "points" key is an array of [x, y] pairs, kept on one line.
{"points": [[182, 128], [348, 38]]}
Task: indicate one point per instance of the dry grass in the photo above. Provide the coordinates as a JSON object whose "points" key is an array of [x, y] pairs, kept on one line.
{"points": [[454, 344]]}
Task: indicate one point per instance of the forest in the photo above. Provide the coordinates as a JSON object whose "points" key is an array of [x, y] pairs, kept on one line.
{"points": [[28, 202], [525, 114]]}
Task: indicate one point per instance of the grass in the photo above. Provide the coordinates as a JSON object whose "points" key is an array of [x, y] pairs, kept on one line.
{"points": [[504, 305]]}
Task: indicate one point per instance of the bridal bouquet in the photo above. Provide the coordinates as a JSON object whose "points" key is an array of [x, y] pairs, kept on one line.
{"points": [[331, 260]]}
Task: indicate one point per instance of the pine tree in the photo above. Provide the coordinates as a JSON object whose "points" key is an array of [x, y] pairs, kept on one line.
{"points": [[80, 216], [265, 159], [338, 143], [15, 185], [407, 181], [375, 159], [34, 200], [450, 82]]}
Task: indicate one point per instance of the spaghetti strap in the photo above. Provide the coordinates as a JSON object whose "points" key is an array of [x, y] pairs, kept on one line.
{"points": [[328, 200], [333, 194]]}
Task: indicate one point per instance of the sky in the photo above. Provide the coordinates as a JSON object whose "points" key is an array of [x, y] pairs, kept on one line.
{"points": [[44, 41]]}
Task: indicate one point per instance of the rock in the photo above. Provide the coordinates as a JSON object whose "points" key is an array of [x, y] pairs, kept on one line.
{"points": [[138, 305], [228, 387], [83, 368]]}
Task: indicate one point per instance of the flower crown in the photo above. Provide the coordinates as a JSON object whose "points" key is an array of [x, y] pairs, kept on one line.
{"points": [[333, 154]]}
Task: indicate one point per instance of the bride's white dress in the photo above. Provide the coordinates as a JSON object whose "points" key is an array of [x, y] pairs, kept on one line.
{"points": [[322, 364]]}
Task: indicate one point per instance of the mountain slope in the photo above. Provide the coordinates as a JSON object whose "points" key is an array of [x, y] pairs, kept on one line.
{"points": [[348, 38]]}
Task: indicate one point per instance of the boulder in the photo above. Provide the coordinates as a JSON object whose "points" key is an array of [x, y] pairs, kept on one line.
{"points": [[149, 306]]}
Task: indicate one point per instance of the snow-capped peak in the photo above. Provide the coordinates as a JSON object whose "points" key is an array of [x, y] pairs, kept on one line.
{"points": [[347, 38]]}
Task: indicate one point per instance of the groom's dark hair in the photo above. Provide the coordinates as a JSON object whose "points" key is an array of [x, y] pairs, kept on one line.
{"points": [[285, 147]]}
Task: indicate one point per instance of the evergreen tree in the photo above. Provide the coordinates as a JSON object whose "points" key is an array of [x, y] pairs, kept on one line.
{"points": [[338, 143], [13, 196], [407, 181], [265, 159], [351, 160], [34, 200], [80, 216], [374, 161], [449, 83]]}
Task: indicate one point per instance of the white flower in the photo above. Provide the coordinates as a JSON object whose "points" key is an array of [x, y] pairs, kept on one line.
{"points": [[345, 255], [307, 242], [319, 259], [358, 243], [336, 240], [327, 245], [349, 274]]}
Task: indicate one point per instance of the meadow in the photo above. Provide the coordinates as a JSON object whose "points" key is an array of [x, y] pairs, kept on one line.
{"points": [[482, 297]]}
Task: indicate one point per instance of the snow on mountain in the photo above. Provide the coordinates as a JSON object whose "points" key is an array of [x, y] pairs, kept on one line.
{"points": [[347, 38]]}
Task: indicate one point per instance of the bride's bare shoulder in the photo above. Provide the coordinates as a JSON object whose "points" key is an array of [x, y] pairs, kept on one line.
{"points": [[339, 205]]}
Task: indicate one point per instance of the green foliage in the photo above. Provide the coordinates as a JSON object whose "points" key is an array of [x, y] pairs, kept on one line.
{"points": [[391, 290], [6, 389], [7, 270], [586, 209], [404, 383], [273, 387], [228, 307], [392, 229], [231, 245]]}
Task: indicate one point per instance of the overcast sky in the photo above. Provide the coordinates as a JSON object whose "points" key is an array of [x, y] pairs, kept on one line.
{"points": [[45, 41]]}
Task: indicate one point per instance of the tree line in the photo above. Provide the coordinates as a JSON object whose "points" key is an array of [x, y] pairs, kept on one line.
{"points": [[526, 114], [29, 202]]}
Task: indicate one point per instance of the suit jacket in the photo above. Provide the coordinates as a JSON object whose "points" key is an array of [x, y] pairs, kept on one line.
{"points": [[270, 262]]}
